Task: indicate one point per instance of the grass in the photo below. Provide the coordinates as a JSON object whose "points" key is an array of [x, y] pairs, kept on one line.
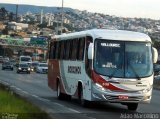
{"points": [[11, 105]]}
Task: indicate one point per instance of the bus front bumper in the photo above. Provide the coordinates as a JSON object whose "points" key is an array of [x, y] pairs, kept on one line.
{"points": [[99, 94]]}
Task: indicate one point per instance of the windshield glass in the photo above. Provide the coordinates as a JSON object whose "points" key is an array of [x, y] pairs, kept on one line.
{"points": [[23, 65], [34, 64], [25, 59], [123, 59], [43, 65]]}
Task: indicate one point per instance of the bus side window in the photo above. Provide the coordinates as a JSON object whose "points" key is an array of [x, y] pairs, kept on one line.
{"points": [[88, 62], [81, 50], [67, 49], [74, 49], [56, 55], [50, 51], [62, 49], [78, 49], [59, 49], [54, 50], [70, 50]]}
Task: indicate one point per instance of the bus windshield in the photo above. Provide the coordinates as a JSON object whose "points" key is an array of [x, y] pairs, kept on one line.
{"points": [[123, 58]]}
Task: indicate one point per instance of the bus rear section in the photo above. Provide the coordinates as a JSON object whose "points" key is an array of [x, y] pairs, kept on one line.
{"points": [[113, 69]]}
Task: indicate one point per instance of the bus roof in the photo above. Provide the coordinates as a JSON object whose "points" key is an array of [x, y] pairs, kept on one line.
{"points": [[121, 35]]}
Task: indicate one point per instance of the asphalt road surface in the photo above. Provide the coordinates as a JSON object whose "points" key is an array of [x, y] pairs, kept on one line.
{"points": [[34, 87]]}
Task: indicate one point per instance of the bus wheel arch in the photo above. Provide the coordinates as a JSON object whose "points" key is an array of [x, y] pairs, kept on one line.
{"points": [[59, 94], [82, 101]]}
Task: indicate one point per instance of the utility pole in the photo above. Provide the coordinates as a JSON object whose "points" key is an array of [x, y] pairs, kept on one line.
{"points": [[16, 12], [41, 21], [62, 18]]}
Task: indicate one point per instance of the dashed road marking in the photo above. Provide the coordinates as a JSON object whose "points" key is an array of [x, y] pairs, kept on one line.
{"points": [[43, 99], [91, 118], [25, 92], [5, 83], [35, 96], [12, 86], [58, 104], [18, 89], [74, 110]]}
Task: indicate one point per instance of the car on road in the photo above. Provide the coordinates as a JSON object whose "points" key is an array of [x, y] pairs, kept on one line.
{"points": [[13, 61], [42, 68], [34, 64], [6, 59], [1, 59], [23, 67], [7, 65]]}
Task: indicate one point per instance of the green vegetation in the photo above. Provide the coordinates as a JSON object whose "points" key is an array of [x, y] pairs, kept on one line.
{"points": [[11, 105]]}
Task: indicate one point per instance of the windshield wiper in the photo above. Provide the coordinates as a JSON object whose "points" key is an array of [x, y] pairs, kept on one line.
{"points": [[137, 76], [113, 73]]}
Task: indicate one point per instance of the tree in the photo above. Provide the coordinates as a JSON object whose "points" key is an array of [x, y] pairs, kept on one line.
{"points": [[3, 13], [11, 16]]}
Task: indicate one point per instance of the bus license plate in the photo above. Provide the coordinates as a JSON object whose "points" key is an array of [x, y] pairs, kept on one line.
{"points": [[123, 97]]}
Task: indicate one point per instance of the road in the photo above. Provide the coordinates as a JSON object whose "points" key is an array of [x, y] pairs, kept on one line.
{"points": [[34, 88]]}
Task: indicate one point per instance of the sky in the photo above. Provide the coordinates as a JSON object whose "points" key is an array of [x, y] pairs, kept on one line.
{"points": [[120, 8]]}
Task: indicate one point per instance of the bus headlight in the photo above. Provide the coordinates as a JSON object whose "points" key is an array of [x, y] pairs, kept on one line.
{"points": [[147, 90], [99, 87], [29, 69], [19, 68]]}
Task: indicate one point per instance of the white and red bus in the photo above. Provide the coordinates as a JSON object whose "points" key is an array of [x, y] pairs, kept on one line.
{"points": [[103, 65]]}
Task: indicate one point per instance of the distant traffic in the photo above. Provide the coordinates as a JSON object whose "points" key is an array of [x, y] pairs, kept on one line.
{"points": [[23, 64]]}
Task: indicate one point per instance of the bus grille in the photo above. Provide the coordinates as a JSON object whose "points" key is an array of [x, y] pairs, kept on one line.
{"points": [[116, 98]]}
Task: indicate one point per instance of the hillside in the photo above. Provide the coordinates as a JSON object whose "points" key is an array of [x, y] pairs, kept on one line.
{"points": [[34, 9]]}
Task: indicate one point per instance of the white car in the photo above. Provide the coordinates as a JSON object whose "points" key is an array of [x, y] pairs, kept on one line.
{"points": [[42, 68]]}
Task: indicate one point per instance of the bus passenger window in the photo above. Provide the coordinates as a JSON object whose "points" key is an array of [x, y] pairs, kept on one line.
{"points": [[78, 48], [67, 49], [54, 50], [62, 49], [57, 48], [70, 50], [81, 51], [74, 49]]}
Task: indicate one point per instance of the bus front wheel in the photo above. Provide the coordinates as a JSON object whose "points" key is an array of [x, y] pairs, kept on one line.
{"points": [[132, 106], [82, 101]]}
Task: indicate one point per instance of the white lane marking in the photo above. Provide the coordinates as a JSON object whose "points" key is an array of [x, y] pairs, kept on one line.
{"points": [[18, 89], [58, 104], [35, 96], [43, 99], [12, 86], [5, 83], [91, 117], [25, 92], [74, 110]]}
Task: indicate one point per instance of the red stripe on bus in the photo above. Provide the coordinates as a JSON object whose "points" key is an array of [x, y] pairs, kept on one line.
{"points": [[98, 79], [54, 75]]}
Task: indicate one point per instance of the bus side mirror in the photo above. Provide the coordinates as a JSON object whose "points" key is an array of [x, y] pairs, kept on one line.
{"points": [[155, 54], [90, 51]]}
